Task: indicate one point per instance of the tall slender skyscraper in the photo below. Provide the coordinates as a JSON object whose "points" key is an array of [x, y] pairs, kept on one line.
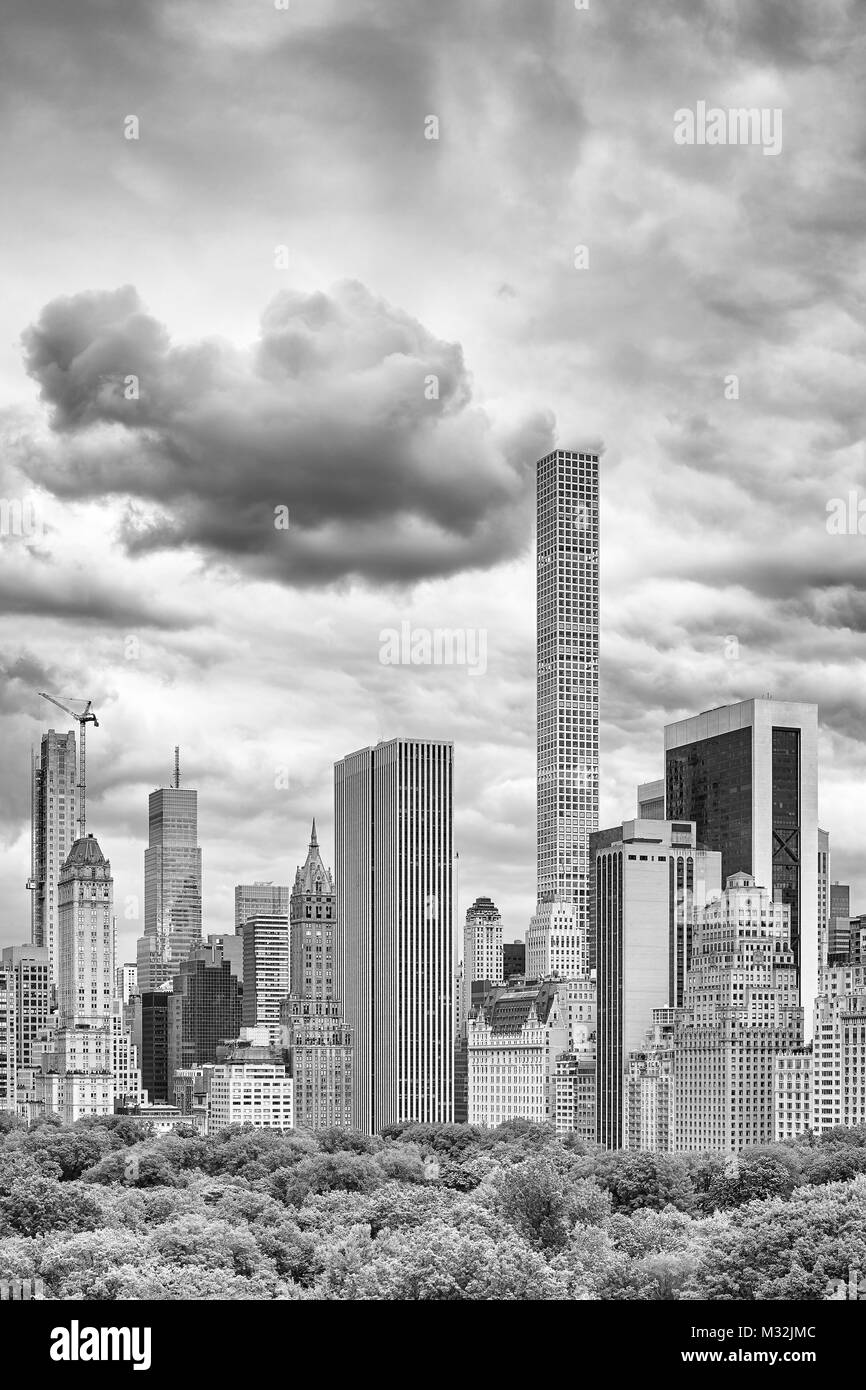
{"points": [[172, 882], [394, 870], [53, 810], [567, 694]]}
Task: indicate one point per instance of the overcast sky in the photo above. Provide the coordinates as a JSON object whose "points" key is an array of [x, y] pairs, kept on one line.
{"points": [[282, 259]]}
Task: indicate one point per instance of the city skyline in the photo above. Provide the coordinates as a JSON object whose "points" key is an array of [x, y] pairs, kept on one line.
{"points": [[699, 344]]}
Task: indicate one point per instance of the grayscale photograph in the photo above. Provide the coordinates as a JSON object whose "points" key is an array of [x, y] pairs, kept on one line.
{"points": [[432, 669]]}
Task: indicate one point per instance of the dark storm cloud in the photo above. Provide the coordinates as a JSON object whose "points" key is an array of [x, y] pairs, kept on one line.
{"points": [[348, 412], [54, 592]]}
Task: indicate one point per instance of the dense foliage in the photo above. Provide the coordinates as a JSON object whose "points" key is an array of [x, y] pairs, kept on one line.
{"points": [[106, 1210]]}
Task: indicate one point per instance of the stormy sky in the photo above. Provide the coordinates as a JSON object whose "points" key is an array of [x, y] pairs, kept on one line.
{"points": [[236, 317]]}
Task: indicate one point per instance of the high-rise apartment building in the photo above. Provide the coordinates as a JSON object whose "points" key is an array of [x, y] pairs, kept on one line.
{"points": [[54, 805], [567, 704], [266, 972], [747, 774], [85, 890], [741, 1012], [31, 969], [172, 881], [396, 956], [269, 899], [482, 944], [650, 885]]}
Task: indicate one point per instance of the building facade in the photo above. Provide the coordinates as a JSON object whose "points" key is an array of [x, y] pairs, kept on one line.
{"points": [[266, 972], [741, 1012], [54, 806], [205, 1007], [651, 800], [513, 958], [269, 899], [747, 774], [482, 943], [31, 969], [172, 882], [317, 1041], [396, 953], [567, 702], [650, 885], [8, 1040], [512, 1050], [85, 888]]}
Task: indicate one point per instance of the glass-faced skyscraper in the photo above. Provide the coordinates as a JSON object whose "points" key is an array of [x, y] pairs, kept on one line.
{"points": [[567, 695], [747, 774], [172, 876], [395, 956]]}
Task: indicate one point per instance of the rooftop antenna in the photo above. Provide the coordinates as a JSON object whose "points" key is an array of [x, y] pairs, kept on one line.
{"points": [[176, 782]]}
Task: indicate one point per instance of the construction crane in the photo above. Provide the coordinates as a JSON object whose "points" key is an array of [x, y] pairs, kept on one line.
{"points": [[85, 718]]}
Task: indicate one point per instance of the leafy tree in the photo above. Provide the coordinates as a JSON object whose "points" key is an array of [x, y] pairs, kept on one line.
{"points": [[636, 1180]]}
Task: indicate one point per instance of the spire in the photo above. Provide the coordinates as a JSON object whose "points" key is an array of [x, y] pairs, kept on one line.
{"points": [[176, 765], [314, 843]]}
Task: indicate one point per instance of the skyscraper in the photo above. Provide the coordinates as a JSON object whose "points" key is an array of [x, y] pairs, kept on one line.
{"points": [[316, 1040], [85, 987], [53, 809], [266, 972], [741, 1013], [396, 953], [31, 968], [747, 774], [172, 881], [272, 899], [649, 886], [311, 917], [567, 698], [204, 1008], [482, 944]]}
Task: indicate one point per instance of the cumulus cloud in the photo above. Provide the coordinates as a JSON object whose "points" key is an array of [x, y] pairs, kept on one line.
{"points": [[347, 412]]}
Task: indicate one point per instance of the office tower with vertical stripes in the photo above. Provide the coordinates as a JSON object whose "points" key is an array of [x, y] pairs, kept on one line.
{"points": [[396, 957], [567, 698], [53, 809]]}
